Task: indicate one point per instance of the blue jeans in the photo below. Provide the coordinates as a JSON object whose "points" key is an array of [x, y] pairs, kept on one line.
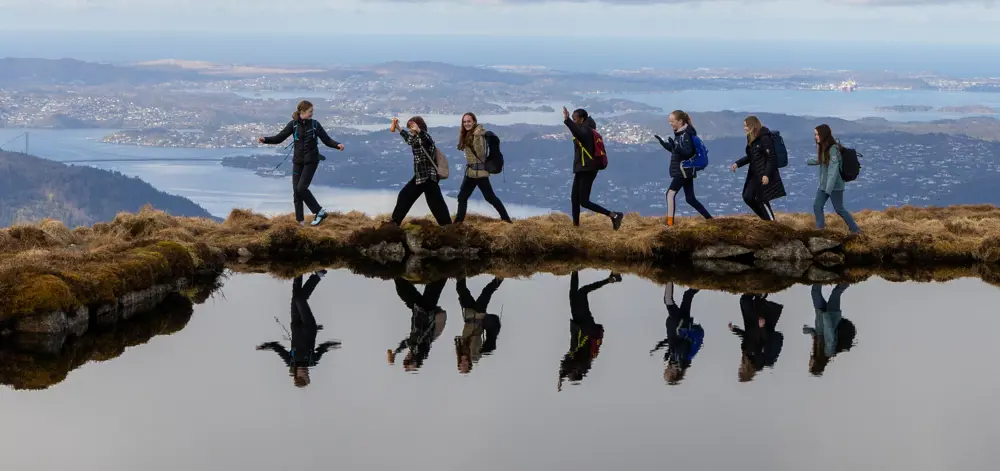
{"points": [[834, 303], [837, 197]]}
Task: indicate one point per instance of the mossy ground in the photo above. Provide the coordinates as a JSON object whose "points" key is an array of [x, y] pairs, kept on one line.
{"points": [[46, 266]]}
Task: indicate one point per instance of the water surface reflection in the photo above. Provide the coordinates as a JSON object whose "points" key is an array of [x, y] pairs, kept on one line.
{"points": [[201, 399]]}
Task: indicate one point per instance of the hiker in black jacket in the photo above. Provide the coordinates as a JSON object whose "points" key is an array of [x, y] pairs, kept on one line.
{"points": [[585, 166], [304, 354], [426, 179], [305, 158], [760, 342], [586, 335], [681, 148], [427, 321], [684, 336], [763, 183], [479, 333]]}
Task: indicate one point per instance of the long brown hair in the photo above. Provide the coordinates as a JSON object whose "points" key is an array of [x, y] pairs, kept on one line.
{"points": [[419, 121], [304, 106], [826, 141], [753, 127], [465, 137], [681, 116]]}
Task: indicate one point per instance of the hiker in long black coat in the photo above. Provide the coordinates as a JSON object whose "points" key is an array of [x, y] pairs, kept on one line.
{"points": [[763, 183], [760, 341]]}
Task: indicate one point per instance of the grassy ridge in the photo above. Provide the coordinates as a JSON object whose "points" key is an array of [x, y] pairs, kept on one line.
{"points": [[47, 267]]}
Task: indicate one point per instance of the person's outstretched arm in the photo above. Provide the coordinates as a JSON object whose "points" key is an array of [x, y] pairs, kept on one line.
{"points": [[279, 349], [281, 136], [323, 136], [668, 144], [325, 347]]}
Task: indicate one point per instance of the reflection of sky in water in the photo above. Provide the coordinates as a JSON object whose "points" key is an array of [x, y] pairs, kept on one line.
{"points": [[917, 392]]}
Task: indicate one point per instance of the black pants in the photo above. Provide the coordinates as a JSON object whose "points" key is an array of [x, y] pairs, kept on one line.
{"points": [[582, 184], [761, 208], [432, 193], [468, 186], [688, 185], [480, 304], [302, 176], [303, 324]]}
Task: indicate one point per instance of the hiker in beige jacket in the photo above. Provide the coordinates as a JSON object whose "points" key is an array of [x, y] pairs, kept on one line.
{"points": [[471, 139]]}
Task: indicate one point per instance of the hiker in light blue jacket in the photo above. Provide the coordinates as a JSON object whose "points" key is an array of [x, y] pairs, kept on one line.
{"points": [[831, 183]]}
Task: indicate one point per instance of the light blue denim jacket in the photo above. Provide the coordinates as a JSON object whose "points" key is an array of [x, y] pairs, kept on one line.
{"points": [[829, 175]]}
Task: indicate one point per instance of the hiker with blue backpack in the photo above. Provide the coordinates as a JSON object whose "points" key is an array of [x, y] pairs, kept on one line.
{"points": [[829, 158], [688, 155], [482, 157], [589, 157], [765, 153], [305, 158], [684, 336]]}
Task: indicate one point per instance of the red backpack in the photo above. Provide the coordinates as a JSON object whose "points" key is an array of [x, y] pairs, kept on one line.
{"points": [[599, 149]]}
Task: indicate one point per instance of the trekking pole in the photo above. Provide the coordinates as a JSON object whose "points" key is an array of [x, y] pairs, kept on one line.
{"points": [[286, 156]]}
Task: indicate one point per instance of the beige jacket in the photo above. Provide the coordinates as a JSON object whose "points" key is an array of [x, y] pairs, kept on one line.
{"points": [[476, 160]]}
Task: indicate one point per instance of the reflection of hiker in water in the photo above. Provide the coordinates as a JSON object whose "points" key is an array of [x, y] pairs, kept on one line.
{"points": [[684, 337], [426, 322], [304, 354], [586, 335], [761, 343], [833, 334], [479, 335]]}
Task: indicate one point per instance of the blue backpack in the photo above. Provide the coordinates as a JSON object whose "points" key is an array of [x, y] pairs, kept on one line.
{"points": [[700, 159], [295, 130]]}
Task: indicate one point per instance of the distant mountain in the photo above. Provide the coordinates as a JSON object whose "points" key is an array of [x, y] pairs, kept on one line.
{"points": [[32, 189], [44, 72]]}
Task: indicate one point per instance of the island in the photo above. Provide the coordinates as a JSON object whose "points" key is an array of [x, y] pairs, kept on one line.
{"points": [[969, 109], [904, 109]]}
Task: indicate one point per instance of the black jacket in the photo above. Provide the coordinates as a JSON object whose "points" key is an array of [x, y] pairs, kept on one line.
{"points": [[306, 146], [583, 134], [681, 150], [760, 156]]}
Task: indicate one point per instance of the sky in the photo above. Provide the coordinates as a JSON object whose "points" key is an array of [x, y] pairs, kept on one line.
{"points": [[919, 21]]}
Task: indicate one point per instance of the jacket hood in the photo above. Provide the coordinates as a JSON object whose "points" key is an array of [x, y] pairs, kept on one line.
{"points": [[688, 130]]}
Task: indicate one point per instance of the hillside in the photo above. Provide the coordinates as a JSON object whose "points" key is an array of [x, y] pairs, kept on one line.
{"points": [[32, 189]]}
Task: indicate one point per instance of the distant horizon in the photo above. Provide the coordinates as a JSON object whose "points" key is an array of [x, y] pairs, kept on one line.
{"points": [[561, 52]]}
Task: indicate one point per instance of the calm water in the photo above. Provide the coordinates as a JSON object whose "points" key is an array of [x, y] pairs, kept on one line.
{"points": [[916, 391], [219, 189]]}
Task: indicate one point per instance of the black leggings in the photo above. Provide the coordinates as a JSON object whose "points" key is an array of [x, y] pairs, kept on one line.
{"points": [[468, 186], [432, 193], [302, 176], [582, 184], [688, 185], [761, 208], [480, 304]]}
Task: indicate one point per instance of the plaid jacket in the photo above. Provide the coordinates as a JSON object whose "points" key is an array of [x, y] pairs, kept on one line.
{"points": [[424, 149]]}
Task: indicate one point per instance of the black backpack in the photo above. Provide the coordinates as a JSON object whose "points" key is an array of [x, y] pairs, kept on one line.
{"points": [[494, 158], [780, 151], [850, 166]]}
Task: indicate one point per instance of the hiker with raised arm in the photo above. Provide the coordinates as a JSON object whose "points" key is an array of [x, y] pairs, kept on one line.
{"points": [[427, 321], [684, 336], [686, 149], [305, 158], [589, 157], [480, 329], [832, 333], [763, 183], [586, 335], [304, 353], [831, 181], [429, 167], [474, 140]]}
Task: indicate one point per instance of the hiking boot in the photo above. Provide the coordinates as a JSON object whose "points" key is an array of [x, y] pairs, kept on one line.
{"points": [[615, 277], [320, 273], [616, 220], [320, 216]]}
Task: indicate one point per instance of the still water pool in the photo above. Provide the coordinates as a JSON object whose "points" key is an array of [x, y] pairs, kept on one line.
{"points": [[434, 376]]}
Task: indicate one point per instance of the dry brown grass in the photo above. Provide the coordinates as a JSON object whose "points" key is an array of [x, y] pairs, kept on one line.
{"points": [[46, 266]]}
